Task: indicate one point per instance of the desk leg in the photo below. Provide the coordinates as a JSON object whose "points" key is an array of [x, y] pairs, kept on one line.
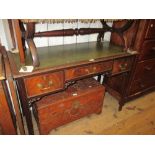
{"points": [[121, 104], [99, 78], [25, 105]]}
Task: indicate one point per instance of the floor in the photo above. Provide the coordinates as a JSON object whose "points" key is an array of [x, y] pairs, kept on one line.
{"points": [[137, 117]]}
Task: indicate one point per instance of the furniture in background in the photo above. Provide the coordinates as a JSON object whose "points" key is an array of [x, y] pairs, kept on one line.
{"points": [[143, 78], [143, 73], [7, 118], [10, 115]]}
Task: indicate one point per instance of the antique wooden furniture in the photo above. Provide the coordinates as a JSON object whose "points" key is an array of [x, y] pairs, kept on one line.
{"points": [[29, 33], [143, 79], [78, 100], [9, 117], [143, 73], [61, 66]]}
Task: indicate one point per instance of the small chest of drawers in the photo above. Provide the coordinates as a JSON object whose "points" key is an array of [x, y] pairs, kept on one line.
{"points": [[143, 79]]}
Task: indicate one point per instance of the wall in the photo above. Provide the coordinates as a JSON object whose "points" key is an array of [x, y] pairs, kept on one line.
{"points": [[5, 36]]}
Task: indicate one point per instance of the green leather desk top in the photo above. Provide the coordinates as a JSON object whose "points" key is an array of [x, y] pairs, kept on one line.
{"points": [[71, 54]]}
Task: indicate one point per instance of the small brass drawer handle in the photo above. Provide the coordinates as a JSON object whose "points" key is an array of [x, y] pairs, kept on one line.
{"points": [[142, 85], [148, 68], [123, 66], [94, 68], [153, 48], [87, 70], [41, 86], [151, 25]]}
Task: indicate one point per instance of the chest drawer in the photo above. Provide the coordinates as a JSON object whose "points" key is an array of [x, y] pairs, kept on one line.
{"points": [[145, 69], [150, 33], [42, 84], [78, 72], [121, 65], [148, 50], [141, 85]]}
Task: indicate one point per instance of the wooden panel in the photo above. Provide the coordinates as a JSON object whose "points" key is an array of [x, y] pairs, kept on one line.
{"points": [[117, 83], [145, 69], [86, 70], [129, 34], [19, 40], [6, 122], [142, 84], [79, 100], [44, 83], [150, 33], [148, 50], [2, 74], [121, 65]]}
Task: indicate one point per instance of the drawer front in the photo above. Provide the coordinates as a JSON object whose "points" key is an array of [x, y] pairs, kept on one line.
{"points": [[145, 69], [77, 72], [121, 65], [42, 84], [114, 82], [148, 50], [150, 33], [140, 85]]}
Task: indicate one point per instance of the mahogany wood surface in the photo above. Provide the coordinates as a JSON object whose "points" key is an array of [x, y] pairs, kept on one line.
{"points": [[150, 32], [42, 84], [75, 61], [19, 40], [83, 98], [13, 91], [6, 122], [77, 72], [143, 78], [148, 50], [129, 35], [145, 69], [2, 72], [122, 64]]}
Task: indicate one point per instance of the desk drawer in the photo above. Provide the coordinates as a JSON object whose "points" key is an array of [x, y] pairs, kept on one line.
{"points": [[148, 50], [121, 65], [150, 33], [78, 72], [145, 69], [44, 83], [141, 84]]}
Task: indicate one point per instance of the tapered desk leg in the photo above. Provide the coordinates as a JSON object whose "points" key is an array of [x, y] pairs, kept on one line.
{"points": [[25, 105], [99, 78]]}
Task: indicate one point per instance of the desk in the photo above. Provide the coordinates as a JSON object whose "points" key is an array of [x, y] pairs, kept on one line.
{"points": [[62, 65]]}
